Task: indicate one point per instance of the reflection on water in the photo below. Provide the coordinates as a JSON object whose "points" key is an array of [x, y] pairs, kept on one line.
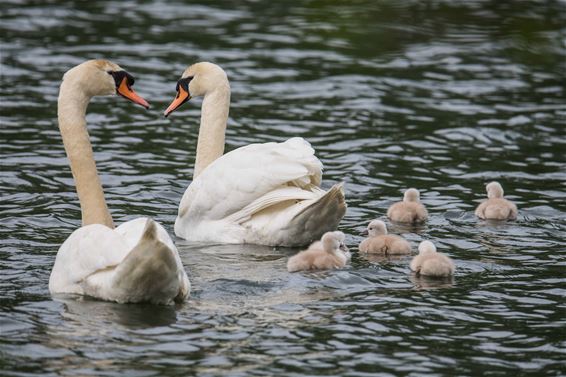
{"points": [[441, 96], [97, 314], [425, 282], [385, 259]]}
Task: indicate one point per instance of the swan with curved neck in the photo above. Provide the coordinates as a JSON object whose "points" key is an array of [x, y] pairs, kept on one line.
{"points": [[80, 84], [262, 193], [135, 262]]}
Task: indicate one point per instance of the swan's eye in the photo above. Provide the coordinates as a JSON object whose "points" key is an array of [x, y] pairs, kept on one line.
{"points": [[131, 79], [184, 83], [119, 77]]}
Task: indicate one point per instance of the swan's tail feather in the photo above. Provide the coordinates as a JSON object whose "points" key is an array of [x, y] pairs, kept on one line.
{"points": [[149, 231], [324, 214], [331, 202], [149, 272]]}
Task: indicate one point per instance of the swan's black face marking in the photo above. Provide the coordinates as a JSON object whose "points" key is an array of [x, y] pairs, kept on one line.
{"points": [[184, 83], [119, 76]]}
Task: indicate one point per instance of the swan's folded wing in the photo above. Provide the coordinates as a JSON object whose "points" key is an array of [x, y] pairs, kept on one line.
{"points": [[241, 177], [272, 198], [88, 249]]}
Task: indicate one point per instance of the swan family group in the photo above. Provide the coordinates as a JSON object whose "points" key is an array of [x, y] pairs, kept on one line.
{"points": [[231, 199], [331, 252]]}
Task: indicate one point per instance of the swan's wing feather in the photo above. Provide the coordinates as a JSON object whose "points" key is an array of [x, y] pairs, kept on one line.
{"points": [[273, 197], [246, 174]]}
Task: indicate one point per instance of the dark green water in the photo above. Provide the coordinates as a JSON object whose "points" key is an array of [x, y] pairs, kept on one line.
{"points": [[442, 96]]}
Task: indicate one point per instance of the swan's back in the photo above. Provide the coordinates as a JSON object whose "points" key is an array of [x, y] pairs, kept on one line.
{"points": [[101, 262], [149, 273], [241, 176]]}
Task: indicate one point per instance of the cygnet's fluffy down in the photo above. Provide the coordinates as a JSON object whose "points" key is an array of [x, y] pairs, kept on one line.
{"points": [[496, 207], [342, 238], [410, 210], [429, 262], [379, 242], [328, 253]]}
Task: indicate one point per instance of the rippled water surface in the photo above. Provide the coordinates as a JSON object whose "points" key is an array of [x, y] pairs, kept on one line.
{"points": [[442, 96]]}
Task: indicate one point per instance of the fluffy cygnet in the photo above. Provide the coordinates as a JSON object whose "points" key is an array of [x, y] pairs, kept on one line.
{"points": [[410, 210], [381, 242], [328, 253], [429, 262], [496, 207]]}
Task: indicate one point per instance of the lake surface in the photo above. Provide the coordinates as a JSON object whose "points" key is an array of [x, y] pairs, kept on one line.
{"points": [[444, 96]]}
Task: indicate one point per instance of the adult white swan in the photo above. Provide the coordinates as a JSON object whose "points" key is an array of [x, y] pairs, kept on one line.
{"points": [[266, 194], [137, 261]]}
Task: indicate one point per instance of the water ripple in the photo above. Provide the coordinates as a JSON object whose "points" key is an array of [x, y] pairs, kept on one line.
{"points": [[443, 96]]}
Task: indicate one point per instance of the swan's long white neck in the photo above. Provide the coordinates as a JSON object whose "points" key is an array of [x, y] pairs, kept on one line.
{"points": [[71, 111], [213, 121]]}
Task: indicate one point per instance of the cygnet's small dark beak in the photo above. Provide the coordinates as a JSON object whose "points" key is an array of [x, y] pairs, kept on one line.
{"points": [[365, 232]]}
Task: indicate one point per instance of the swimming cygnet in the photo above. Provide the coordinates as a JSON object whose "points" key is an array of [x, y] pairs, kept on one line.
{"points": [[410, 210], [496, 207], [328, 253], [429, 262], [381, 242]]}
